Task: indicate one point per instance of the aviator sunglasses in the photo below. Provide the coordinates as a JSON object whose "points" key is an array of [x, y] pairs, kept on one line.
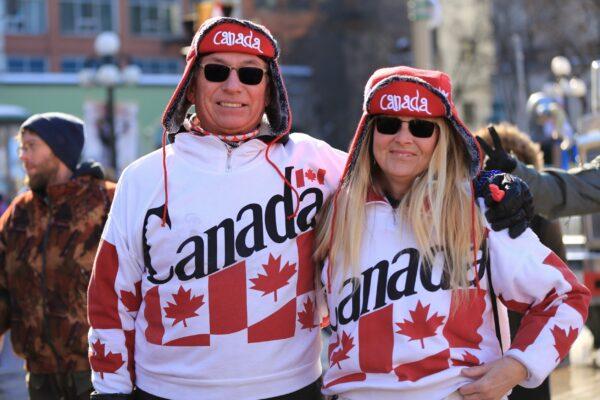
{"points": [[417, 127], [220, 73]]}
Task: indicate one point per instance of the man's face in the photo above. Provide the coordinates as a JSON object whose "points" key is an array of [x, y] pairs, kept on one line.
{"points": [[40, 164], [229, 107]]}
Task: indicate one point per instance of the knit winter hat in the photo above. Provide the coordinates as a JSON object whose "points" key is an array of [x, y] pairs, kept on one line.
{"points": [[410, 92], [218, 35], [63, 133]]}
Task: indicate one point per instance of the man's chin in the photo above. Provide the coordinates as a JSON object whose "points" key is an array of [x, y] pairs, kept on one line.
{"points": [[36, 183]]}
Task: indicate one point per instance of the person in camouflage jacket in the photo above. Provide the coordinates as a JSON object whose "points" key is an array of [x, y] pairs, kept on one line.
{"points": [[48, 240]]}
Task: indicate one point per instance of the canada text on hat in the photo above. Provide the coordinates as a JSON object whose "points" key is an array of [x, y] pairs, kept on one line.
{"points": [[230, 37], [406, 98]]}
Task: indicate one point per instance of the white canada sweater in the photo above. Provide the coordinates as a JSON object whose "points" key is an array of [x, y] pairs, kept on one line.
{"points": [[219, 303], [396, 338]]}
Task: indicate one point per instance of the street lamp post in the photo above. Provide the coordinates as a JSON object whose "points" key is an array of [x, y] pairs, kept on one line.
{"points": [[568, 86], [109, 75]]}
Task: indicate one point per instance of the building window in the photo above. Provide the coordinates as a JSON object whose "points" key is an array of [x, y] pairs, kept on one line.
{"points": [[154, 17], [158, 65], [72, 64], [25, 17], [86, 16], [26, 64]]}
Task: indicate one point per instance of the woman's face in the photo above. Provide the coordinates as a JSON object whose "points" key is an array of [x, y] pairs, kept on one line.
{"points": [[402, 156]]}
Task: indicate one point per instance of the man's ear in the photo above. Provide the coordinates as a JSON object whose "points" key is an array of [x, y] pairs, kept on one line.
{"points": [[190, 94]]}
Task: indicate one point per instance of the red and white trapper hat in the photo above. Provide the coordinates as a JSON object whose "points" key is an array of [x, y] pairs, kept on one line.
{"points": [[219, 35], [411, 92]]}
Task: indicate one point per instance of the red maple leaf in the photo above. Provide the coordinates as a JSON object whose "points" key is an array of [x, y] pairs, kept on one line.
{"points": [[563, 341], [310, 175], [130, 300], [342, 354], [274, 278], [468, 360], [307, 317], [105, 363], [420, 327], [185, 306]]}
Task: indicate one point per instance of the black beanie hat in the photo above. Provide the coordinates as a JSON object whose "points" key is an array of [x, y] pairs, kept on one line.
{"points": [[63, 133]]}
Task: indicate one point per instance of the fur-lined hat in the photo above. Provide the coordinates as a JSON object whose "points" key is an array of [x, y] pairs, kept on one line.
{"points": [[410, 92], [218, 35]]}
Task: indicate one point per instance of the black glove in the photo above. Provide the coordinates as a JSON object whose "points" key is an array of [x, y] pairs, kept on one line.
{"points": [[497, 158], [510, 204]]}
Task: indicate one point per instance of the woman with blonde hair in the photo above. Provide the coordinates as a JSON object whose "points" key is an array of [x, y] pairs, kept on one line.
{"points": [[413, 307]]}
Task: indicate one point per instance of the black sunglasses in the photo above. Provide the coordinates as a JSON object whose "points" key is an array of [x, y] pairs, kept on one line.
{"points": [[220, 73], [392, 125]]}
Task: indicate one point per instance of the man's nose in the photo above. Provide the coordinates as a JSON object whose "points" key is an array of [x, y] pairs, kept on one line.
{"points": [[232, 83]]}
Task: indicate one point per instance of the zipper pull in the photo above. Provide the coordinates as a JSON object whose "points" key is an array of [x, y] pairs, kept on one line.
{"points": [[229, 151]]}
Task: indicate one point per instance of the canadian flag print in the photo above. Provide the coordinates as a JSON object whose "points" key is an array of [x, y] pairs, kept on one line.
{"points": [[303, 176], [275, 276], [104, 361], [422, 325]]}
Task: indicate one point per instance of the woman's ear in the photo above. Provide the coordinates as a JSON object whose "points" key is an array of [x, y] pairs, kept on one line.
{"points": [[268, 91]]}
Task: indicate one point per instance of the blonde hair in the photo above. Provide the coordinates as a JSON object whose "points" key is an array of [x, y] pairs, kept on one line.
{"points": [[437, 207]]}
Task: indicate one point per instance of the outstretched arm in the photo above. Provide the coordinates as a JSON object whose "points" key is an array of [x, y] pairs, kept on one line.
{"points": [[559, 193]]}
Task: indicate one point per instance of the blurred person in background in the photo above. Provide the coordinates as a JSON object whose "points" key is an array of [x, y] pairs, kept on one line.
{"points": [[48, 239], [520, 146], [556, 193]]}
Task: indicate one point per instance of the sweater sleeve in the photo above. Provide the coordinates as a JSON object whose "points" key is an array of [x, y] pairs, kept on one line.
{"points": [[114, 298], [530, 279]]}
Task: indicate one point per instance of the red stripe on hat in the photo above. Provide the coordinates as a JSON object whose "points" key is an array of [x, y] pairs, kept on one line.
{"points": [[153, 315], [103, 311], [306, 266], [300, 178], [279, 325], [376, 340], [232, 37], [321, 176], [227, 300], [463, 322]]}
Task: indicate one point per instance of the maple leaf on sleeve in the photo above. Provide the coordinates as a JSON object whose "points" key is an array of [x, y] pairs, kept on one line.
{"points": [[420, 327], [562, 340], [105, 363], [185, 306], [274, 278], [132, 300], [347, 344], [307, 317]]}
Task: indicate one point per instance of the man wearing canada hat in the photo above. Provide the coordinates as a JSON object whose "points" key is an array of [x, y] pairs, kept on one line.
{"points": [[203, 285]]}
